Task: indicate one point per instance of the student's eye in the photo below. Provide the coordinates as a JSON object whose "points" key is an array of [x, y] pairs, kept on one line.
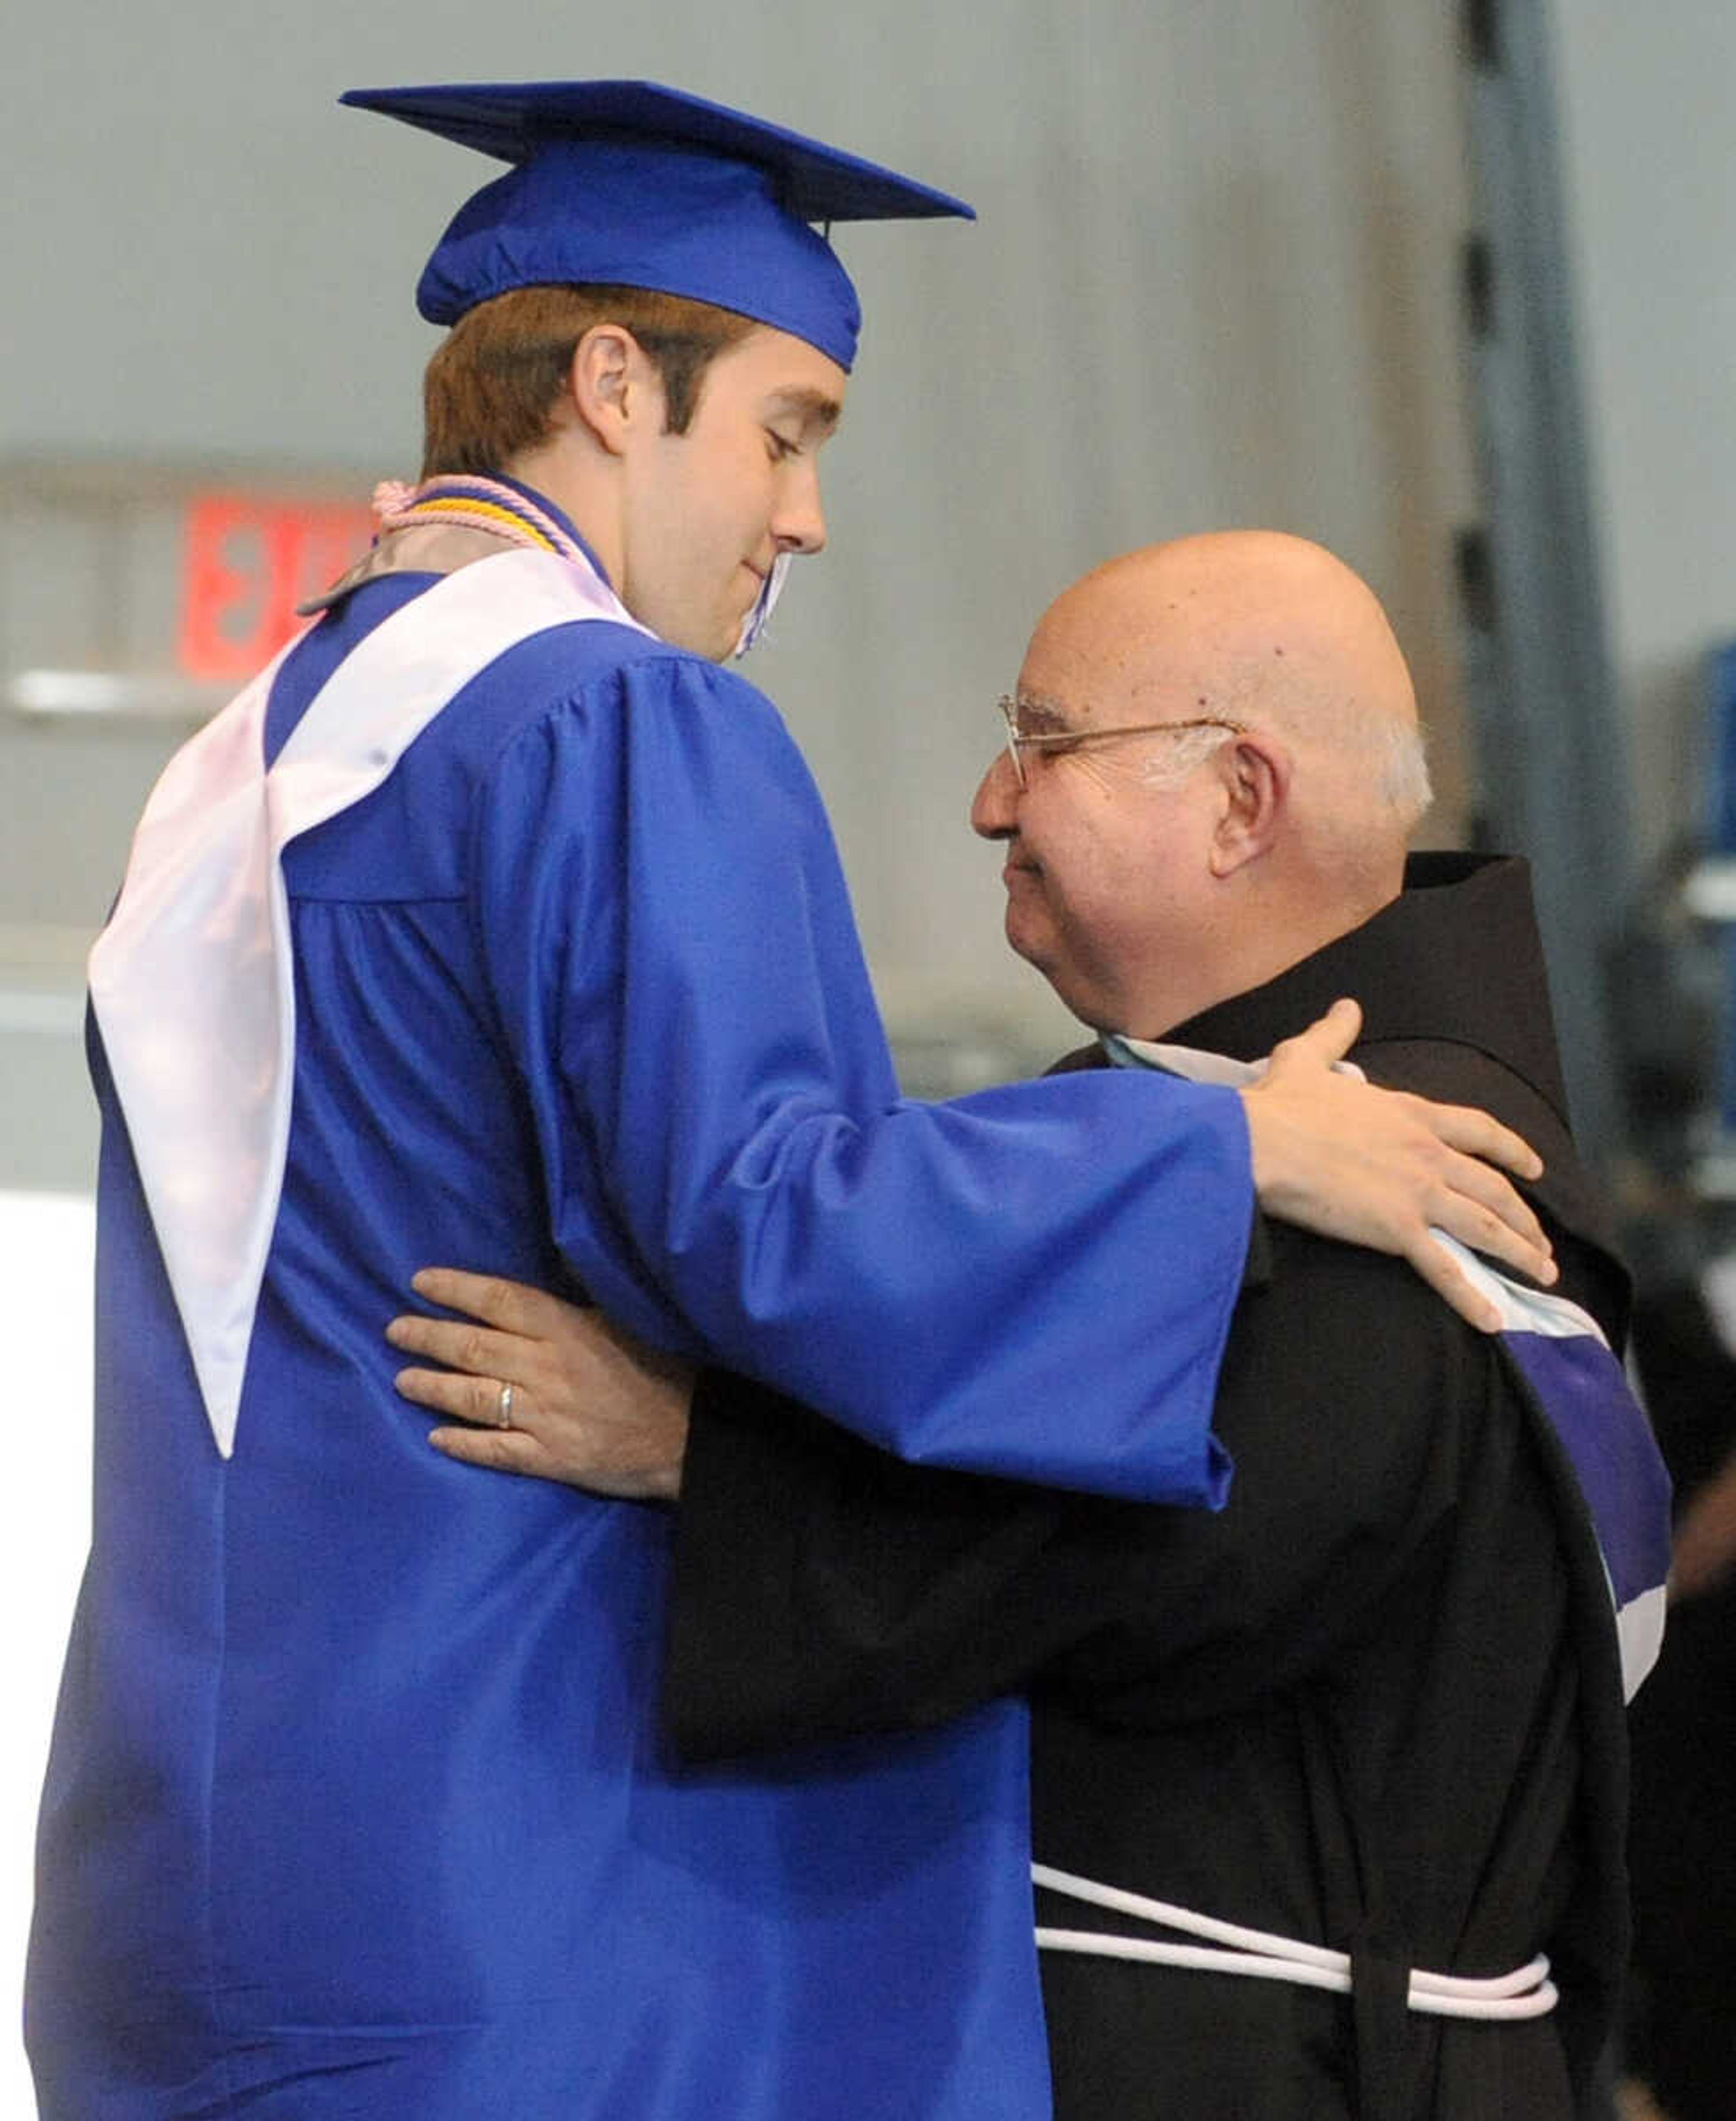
{"points": [[780, 447]]}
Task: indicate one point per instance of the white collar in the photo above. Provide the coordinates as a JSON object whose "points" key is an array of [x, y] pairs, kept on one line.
{"points": [[1194, 1062]]}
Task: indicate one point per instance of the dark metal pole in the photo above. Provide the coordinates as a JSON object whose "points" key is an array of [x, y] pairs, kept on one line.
{"points": [[1550, 752]]}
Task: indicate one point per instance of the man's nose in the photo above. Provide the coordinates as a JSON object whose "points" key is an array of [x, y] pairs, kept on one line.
{"points": [[994, 813], [799, 521]]}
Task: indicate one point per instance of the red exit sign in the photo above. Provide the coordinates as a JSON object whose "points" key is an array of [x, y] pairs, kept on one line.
{"points": [[247, 561]]}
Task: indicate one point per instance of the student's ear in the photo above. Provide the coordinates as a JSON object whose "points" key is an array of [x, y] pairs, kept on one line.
{"points": [[1253, 773], [611, 388]]}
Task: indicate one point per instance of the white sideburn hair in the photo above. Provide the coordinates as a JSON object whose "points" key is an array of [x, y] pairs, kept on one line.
{"points": [[1401, 779], [1395, 753], [1173, 759]]}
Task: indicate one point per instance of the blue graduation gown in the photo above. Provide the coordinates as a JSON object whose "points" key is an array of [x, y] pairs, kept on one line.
{"points": [[358, 1805]]}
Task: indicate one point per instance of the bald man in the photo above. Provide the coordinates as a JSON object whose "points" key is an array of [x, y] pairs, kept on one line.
{"points": [[1369, 1716]]}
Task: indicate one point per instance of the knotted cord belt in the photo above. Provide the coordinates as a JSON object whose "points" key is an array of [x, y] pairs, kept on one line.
{"points": [[1526, 1993]]}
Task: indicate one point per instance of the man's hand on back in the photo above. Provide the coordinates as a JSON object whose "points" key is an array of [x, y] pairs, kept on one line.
{"points": [[588, 1404]]}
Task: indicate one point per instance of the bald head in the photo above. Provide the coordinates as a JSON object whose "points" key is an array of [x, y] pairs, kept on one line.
{"points": [[1266, 629], [1242, 845]]}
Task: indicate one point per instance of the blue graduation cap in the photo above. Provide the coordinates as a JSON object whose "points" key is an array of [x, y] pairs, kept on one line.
{"points": [[627, 183]]}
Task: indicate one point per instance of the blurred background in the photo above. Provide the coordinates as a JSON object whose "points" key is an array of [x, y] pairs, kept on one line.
{"points": [[1449, 287]]}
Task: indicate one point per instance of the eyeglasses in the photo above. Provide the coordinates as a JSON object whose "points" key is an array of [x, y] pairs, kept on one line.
{"points": [[1018, 742]]}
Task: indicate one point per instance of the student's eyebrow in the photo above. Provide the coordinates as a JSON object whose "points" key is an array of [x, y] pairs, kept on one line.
{"points": [[812, 407]]}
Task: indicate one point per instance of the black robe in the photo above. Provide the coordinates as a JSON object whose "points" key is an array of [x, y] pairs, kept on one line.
{"points": [[1374, 1704]]}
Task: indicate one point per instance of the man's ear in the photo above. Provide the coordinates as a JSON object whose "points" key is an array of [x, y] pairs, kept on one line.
{"points": [[1254, 772], [612, 389]]}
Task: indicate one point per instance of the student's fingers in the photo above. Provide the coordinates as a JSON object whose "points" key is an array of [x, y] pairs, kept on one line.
{"points": [[1326, 1040], [1445, 1276], [1474, 1133], [1382, 1168], [1479, 1231], [1476, 1204]]}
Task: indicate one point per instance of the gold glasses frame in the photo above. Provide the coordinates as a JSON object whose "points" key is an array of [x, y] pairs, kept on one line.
{"points": [[1018, 742]]}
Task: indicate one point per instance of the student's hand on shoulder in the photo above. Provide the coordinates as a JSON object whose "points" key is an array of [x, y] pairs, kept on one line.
{"points": [[1384, 1169], [545, 1388]]}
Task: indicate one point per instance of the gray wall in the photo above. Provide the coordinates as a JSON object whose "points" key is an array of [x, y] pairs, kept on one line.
{"points": [[1647, 99], [1212, 283]]}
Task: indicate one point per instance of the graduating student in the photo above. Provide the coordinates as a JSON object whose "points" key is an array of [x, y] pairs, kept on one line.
{"points": [[495, 921], [1328, 1786]]}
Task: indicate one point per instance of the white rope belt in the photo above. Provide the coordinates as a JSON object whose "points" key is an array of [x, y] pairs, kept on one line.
{"points": [[1527, 1993]]}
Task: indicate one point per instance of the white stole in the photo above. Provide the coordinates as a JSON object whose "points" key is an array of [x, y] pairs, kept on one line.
{"points": [[193, 980]]}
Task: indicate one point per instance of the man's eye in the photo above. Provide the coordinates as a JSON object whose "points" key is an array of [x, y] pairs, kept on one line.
{"points": [[781, 446]]}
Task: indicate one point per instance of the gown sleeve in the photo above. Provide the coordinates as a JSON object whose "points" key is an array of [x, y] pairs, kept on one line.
{"points": [[729, 1168]]}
